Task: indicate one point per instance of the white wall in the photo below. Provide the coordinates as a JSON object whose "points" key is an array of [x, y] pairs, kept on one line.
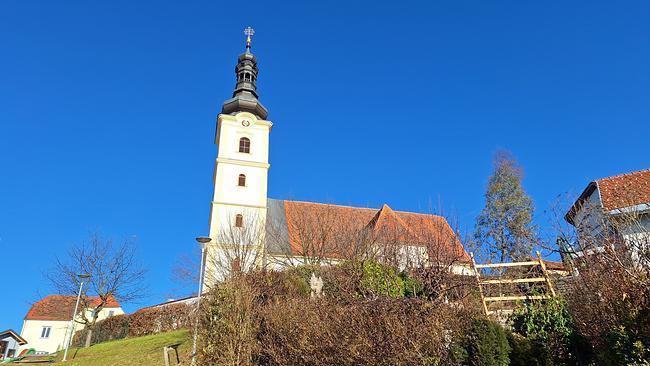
{"points": [[230, 199]]}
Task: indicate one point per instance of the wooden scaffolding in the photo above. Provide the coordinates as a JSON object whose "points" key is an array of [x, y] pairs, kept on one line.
{"points": [[494, 304]]}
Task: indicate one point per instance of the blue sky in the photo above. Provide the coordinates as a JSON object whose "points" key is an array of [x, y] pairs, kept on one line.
{"points": [[107, 112]]}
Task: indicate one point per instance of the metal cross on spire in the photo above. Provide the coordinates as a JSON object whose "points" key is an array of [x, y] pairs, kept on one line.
{"points": [[248, 32]]}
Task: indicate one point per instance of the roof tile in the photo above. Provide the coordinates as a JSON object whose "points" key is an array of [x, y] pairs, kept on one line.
{"points": [[60, 307]]}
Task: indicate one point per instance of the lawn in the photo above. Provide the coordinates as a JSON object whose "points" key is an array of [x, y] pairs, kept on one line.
{"points": [[142, 351]]}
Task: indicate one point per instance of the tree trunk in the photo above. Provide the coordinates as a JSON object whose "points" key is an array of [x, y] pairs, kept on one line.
{"points": [[89, 336]]}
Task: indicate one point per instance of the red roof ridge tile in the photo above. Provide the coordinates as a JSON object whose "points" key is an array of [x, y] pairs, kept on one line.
{"points": [[363, 208], [647, 170]]}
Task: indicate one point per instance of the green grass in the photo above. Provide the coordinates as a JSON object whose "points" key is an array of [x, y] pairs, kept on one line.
{"points": [[142, 351]]}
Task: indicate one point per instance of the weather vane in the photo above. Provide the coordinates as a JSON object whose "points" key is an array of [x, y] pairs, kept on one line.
{"points": [[248, 32]]}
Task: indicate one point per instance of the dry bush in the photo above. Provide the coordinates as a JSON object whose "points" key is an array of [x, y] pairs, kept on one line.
{"points": [[381, 331], [609, 291], [269, 318]]}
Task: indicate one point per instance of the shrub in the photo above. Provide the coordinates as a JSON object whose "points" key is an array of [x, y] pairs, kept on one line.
{"points": [[143, 322], [549, 329], [624, 347], [486, 344], [228, 325], [266, 319], [525, 352], [380, 331], [380, 280]]}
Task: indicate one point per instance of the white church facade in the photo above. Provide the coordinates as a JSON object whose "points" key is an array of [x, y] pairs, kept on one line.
{"points": [[247, 229]]}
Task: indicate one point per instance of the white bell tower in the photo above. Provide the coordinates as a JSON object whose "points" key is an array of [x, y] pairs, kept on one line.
{"points": [[238, 210]]}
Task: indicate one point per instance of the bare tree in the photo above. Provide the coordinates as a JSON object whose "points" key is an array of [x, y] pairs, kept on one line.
{"points": [[115, 274], [237, 247]]}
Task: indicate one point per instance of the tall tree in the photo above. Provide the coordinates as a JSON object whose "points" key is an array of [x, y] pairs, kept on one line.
{"points": [[504, 229]]}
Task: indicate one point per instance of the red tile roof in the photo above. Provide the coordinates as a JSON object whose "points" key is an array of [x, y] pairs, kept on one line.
{"points": [[310, 228], [625, 190], [59, 307], [554, 266], [616, 192]]}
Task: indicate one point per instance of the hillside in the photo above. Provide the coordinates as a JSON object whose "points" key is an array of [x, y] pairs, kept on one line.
{"points": [[142, 351]]}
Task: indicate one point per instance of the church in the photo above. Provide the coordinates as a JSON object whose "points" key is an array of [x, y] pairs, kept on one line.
{"points": [[250, 230]]}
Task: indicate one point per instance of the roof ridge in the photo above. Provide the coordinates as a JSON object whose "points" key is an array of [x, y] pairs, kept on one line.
{"points": [[331, 204], [360, 208], [624, 174]]}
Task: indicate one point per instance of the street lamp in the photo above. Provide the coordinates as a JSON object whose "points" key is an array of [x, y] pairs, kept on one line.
{"points": [[82, 277], [203, 241]]}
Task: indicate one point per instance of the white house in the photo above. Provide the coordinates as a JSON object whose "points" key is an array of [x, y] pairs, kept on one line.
{"points": [[247, 228], [615, 207], [47, 323]]}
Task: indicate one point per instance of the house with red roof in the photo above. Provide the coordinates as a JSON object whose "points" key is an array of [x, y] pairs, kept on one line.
{"points": [[47, 326], [618, 207]]}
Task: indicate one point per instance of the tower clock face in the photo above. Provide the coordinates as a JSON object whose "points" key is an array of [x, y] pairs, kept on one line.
{"points": [[245, 123]]}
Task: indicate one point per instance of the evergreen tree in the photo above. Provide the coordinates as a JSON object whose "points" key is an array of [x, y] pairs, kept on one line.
{"points": [[504, 229]]}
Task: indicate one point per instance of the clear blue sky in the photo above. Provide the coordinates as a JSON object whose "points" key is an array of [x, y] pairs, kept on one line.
{"points": [[107, 112]]}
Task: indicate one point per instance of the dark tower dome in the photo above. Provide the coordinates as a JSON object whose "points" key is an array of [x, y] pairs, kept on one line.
{"points": [[244, 98]]}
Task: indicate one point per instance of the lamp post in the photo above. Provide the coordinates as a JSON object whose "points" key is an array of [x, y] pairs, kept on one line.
{"points": [[82, 277], [203, 241]]}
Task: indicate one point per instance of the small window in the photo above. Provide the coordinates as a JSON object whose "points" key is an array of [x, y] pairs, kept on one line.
{"points": [[111, 313], [242, 180], [239, 221], [45, 332], [244, 145], [235, 265]]}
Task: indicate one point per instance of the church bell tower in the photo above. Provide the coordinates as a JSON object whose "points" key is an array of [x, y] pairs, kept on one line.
{"points": [[238, 209]]}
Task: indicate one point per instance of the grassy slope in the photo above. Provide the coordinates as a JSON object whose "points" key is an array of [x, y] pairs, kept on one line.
{"points": [[143, 351]]}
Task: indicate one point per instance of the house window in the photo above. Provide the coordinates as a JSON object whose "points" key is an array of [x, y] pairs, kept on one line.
{"points": [[45, 332], [244, 145], [236, 265], [242, 180], [239, 220], [111, 313]]}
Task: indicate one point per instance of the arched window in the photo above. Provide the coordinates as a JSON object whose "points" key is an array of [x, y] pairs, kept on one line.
{"points": [[242, 180], [244, 145], [239, 220], [235, 266]]}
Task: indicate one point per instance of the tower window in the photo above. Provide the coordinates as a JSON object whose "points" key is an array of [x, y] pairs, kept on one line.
{"points": [[239, 220], [242, 180], [236, 265], [244, 145]]}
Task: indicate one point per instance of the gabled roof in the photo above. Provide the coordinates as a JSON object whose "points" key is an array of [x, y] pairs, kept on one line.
{"points": [[60, 307], [317, 225], [10, 333], [616, 192]]}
